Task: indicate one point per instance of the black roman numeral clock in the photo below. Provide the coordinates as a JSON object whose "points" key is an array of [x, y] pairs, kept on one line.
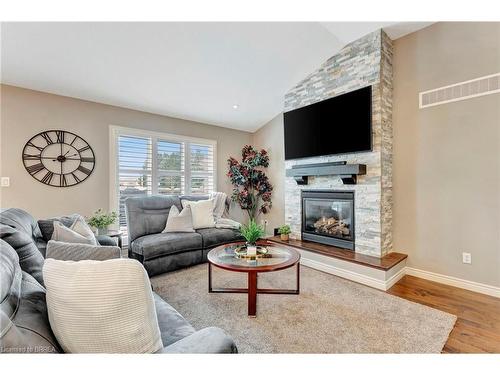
{"points": [[58, 158]]}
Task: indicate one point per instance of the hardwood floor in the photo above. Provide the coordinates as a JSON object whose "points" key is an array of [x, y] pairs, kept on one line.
{"points": [[477, 329]]}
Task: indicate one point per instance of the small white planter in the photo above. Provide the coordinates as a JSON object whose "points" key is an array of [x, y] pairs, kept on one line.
{"points": [[251, 250]]}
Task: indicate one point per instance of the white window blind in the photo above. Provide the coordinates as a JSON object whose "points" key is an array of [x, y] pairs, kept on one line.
{"points": [[201, 162], [161, 164], [135, 170]]}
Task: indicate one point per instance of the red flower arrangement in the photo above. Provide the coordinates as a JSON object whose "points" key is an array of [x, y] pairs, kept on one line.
{"points": [[251, 187]]}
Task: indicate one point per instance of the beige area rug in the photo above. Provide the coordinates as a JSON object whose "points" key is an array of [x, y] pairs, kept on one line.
{"points": [[331, 314]]}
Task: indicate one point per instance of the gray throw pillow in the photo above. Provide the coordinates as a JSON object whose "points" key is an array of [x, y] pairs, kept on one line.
{"points": [[79, 251]]}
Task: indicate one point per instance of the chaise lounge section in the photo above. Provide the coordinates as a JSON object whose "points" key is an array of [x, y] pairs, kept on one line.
{"points": [[164, 252]]}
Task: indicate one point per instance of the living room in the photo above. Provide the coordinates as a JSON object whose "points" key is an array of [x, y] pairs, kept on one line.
{"points": [[250, 187]]}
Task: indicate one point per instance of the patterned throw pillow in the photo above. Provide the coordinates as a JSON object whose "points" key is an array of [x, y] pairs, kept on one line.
{"points": [[179, 221]]}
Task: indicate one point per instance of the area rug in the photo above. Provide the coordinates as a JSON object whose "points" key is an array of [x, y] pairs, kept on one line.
{"points": [[331, 314]]}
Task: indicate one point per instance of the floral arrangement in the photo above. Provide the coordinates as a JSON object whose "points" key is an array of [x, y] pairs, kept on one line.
{"points": [[101, 219], [251, 187], [252, 232]]}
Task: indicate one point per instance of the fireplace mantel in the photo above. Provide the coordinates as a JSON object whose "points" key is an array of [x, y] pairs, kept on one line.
{"points": [[347, 172]]}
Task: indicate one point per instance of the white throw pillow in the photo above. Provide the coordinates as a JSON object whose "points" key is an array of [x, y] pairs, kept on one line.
{"points": [[80, 226], [179, 221], [101, 306], [79, 232], [202, 212]]}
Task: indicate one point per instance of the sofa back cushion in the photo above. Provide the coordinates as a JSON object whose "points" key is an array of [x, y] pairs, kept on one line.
{"points": [[80, 251], [24, 322], [148, 214], [20, 230]]}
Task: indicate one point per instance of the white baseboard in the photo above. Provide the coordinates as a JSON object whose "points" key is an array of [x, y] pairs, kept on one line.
{"points": [[354, 276], [455, 281], [380, 279], [394, 279]]}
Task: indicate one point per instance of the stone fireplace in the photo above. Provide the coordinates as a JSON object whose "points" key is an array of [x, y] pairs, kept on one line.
{"points": [[366, 61]]}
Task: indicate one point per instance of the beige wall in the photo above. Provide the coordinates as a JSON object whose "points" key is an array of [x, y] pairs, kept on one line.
{"points": [[446, 171], [26, 113], [270, 137]]}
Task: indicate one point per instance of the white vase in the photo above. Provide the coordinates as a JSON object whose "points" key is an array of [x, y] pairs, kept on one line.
{"points": [[102, 231], [251, 250]]}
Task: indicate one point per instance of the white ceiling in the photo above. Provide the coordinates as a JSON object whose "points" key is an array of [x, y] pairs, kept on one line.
{"points": [[194, 71]]}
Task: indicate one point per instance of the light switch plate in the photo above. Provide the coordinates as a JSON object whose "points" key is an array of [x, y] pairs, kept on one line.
{"points": [[5, 182]]}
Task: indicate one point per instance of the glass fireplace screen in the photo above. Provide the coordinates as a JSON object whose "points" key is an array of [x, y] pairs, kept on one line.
{"points": [[331, 217]]}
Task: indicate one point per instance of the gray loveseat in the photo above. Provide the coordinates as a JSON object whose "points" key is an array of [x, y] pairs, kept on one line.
{"points": [[24, 323], [164, 252]]}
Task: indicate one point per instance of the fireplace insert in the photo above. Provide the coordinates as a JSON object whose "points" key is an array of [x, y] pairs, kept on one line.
{"points": [[328, 217]]}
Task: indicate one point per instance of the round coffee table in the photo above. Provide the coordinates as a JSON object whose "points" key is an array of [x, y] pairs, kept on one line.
{"points": [[279, 257]]}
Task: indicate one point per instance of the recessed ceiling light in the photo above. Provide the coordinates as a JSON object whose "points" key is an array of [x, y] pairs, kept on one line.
{"points": [[235, 106]]}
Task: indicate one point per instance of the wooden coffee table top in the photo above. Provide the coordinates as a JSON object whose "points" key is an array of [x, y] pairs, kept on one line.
{"points": [[281, 257]]}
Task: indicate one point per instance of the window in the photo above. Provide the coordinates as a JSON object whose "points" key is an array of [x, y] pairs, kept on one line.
{"points": [[155, 163]]}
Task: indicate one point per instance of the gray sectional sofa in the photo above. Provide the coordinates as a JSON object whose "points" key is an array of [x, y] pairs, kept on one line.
{"points": [[24, 322], [164, 252]]}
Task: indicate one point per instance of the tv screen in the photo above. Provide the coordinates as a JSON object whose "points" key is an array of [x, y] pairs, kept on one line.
{"points": [[338, 125]]}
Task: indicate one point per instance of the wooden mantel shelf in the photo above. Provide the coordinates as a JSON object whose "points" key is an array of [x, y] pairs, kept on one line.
{"points": [[385, 263]]}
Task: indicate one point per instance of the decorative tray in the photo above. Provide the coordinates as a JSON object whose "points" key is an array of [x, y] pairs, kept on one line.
{"points": [[241, 252]]}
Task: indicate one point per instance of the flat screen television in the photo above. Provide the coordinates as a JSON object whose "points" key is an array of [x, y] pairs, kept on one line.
{"points": [[339, 125]]}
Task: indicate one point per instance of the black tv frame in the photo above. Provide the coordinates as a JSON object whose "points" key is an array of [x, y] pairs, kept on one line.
{"points": [[370, 149]]}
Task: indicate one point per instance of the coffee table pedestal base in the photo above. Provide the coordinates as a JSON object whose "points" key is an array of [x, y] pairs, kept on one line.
{"points": [[252, 289]]}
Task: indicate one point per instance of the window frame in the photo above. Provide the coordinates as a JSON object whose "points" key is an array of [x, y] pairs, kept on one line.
{"points": [[114, 134]]}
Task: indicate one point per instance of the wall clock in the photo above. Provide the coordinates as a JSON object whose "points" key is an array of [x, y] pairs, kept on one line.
{"points": [[58, 158]]}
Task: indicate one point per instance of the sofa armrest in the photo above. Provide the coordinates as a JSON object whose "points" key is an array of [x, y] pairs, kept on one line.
{"points": [[104, 240], [78, 251], [209, 340]]}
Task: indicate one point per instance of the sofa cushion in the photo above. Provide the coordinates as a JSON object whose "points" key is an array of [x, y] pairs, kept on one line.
{"points": [[162, 264], [155, 245], [173, 326], [148, 214], [20, 230], [24, 321], [214, 237]]}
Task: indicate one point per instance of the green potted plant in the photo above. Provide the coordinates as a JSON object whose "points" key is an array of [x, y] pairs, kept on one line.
{"points": [[101, 220], [252, 232], [284, 232]]}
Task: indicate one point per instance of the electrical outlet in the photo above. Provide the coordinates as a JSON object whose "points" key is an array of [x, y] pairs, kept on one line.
{"points": [[466, 258], [5, 182]]}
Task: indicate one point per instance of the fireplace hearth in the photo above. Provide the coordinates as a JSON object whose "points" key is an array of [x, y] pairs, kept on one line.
{"points": [[328, 217]]}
